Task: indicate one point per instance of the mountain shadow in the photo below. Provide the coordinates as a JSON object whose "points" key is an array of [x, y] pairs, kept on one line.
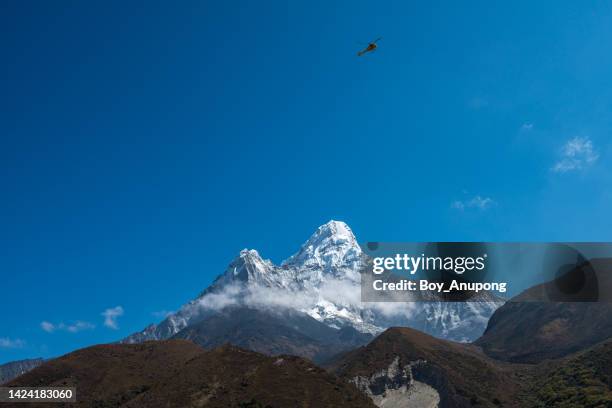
{"points": [[531, 327], [273, 333]]}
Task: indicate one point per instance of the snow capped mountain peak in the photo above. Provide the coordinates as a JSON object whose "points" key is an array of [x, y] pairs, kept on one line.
{"points": [[247, 267], [321, 280], [332, 245], [334, 230], [250, 256]]}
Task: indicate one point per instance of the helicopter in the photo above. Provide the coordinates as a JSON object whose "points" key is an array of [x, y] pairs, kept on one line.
{"points": [[370, 48]]}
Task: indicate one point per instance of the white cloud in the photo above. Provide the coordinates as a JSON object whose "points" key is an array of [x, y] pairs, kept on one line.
{"points": [[75, 327], [47, 326], [111, 315], [346, 295], [577, 154], [79, 326], [477, 202], [458, 205], [219, 300], [6, 342], [526, 127]]}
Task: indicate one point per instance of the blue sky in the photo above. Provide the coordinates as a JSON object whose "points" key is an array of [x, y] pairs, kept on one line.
{"points": [[144, 144]]}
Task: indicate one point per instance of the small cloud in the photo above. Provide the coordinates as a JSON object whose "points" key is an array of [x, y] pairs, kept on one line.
{"points": [[526, 127], [458, 205], [577, 154], [111, 315], [477, 202], [75, 327], [47, 326], [79, 326], [6, 342]]}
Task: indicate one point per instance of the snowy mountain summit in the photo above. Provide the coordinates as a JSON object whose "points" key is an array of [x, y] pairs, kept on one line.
{"points": [[321, 280], [331, 248]]}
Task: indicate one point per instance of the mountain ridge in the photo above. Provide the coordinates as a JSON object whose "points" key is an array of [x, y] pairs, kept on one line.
{"points": [[554, 329], [14, 369], [179, 373], [322, 280], [273, 333], [405, 367]]}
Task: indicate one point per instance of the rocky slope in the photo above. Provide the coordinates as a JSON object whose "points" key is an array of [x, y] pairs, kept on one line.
{"points": [[14, 369], [404, 367], [273, 333]]}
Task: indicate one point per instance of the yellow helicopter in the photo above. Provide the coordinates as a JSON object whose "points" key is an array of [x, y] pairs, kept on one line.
{"points": [[370, 48]]}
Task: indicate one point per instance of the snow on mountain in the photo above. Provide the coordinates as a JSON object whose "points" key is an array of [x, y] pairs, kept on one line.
{"points": [[332, 250], [321, 280]]}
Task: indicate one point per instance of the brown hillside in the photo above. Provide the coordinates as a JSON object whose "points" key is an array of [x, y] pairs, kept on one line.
{"points": [[461, 374], [178, 373], [530, 329]]}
